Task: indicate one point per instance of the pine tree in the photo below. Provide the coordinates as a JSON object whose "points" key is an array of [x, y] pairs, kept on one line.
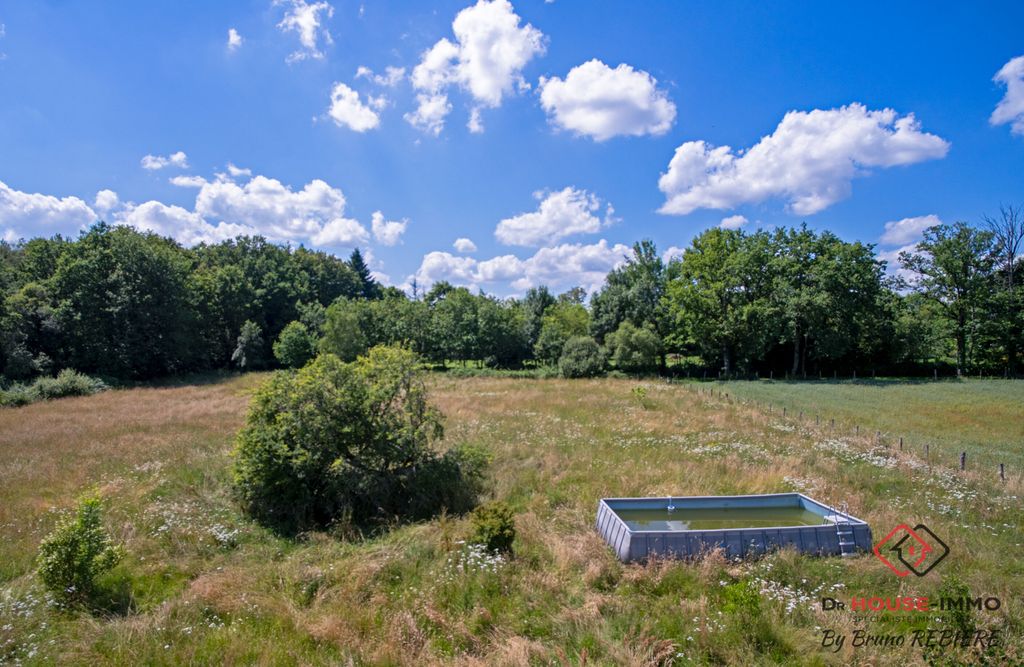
{"points": [[370, 287]]}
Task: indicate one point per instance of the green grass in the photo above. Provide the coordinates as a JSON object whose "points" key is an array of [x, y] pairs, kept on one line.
{"points": [[203, 585], [985, 418]]}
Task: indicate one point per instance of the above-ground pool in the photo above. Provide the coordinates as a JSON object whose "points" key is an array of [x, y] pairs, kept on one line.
{"points": [[687, 526]]}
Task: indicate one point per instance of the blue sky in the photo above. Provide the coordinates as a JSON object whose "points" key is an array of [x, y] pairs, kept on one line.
{"points": [[575, 107]]}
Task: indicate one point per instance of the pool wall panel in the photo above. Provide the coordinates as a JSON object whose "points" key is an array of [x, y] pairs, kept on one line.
{"points": [[634, 545]]}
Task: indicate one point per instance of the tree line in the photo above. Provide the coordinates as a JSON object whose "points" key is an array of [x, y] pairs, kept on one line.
{"points": [[129, 305]]}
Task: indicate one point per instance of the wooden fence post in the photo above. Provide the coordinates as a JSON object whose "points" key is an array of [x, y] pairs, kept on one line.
{"points": [[1002, 472], [963, 461], [901, 443]]}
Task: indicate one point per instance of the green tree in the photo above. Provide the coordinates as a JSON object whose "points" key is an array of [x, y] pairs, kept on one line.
{"points": [[718, 302], [828, 294], [343, 331], [123, 303], [631, 292], [368, 287], [248, 354], [581, 358], [454, 325], [348, 443], [534, 305], [953, 267], [633, 349], [295, 346], [1007, 231], [76, 553], [564, 320], [501, 333]]}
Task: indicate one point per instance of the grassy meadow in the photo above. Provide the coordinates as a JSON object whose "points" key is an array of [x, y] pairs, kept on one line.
{"points": [[984, 417], [203, 585]]}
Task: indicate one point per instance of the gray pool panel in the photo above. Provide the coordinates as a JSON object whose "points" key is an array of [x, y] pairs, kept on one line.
{"points": [[823, 539]]}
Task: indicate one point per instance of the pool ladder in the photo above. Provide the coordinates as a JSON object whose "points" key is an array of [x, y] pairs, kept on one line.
{"points": [[844, 531]]}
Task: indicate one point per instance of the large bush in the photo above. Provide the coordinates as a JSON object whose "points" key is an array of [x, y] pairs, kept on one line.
{"points": [[76, 553], [581, 358], [295, 346], [634, 349], [349, 443]]}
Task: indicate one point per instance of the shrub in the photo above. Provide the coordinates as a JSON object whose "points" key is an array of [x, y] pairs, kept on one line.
{"points": [[76, 553], [67, 383], [581, 357], [494, 526], [634, 349], [336, 442], [248, 352], [295, 346]]}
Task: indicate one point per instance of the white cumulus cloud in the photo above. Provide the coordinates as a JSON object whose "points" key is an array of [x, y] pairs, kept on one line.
{"points": [[907, 230], [559, 266], [464, 245], [188, 181], [277, 211], [733, 222], [485, 60], [306, 20], [387, 232], [224, 208], [153, 162], [391, 77], [179, 223], [1011, 108], [563, 213], [234, 40], [24, 214], [106, 201], [600, 102], [810, 159], [348, 110], [671, 253]]}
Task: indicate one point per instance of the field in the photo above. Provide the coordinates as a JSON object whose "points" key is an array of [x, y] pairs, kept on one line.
{"points": [[201, 584], [985, 418]]}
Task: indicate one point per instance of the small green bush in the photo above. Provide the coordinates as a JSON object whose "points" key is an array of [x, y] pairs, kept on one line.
{"points": [[76, 553], [494, 526], [295, 346], [581, 358], [337, 443]]}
